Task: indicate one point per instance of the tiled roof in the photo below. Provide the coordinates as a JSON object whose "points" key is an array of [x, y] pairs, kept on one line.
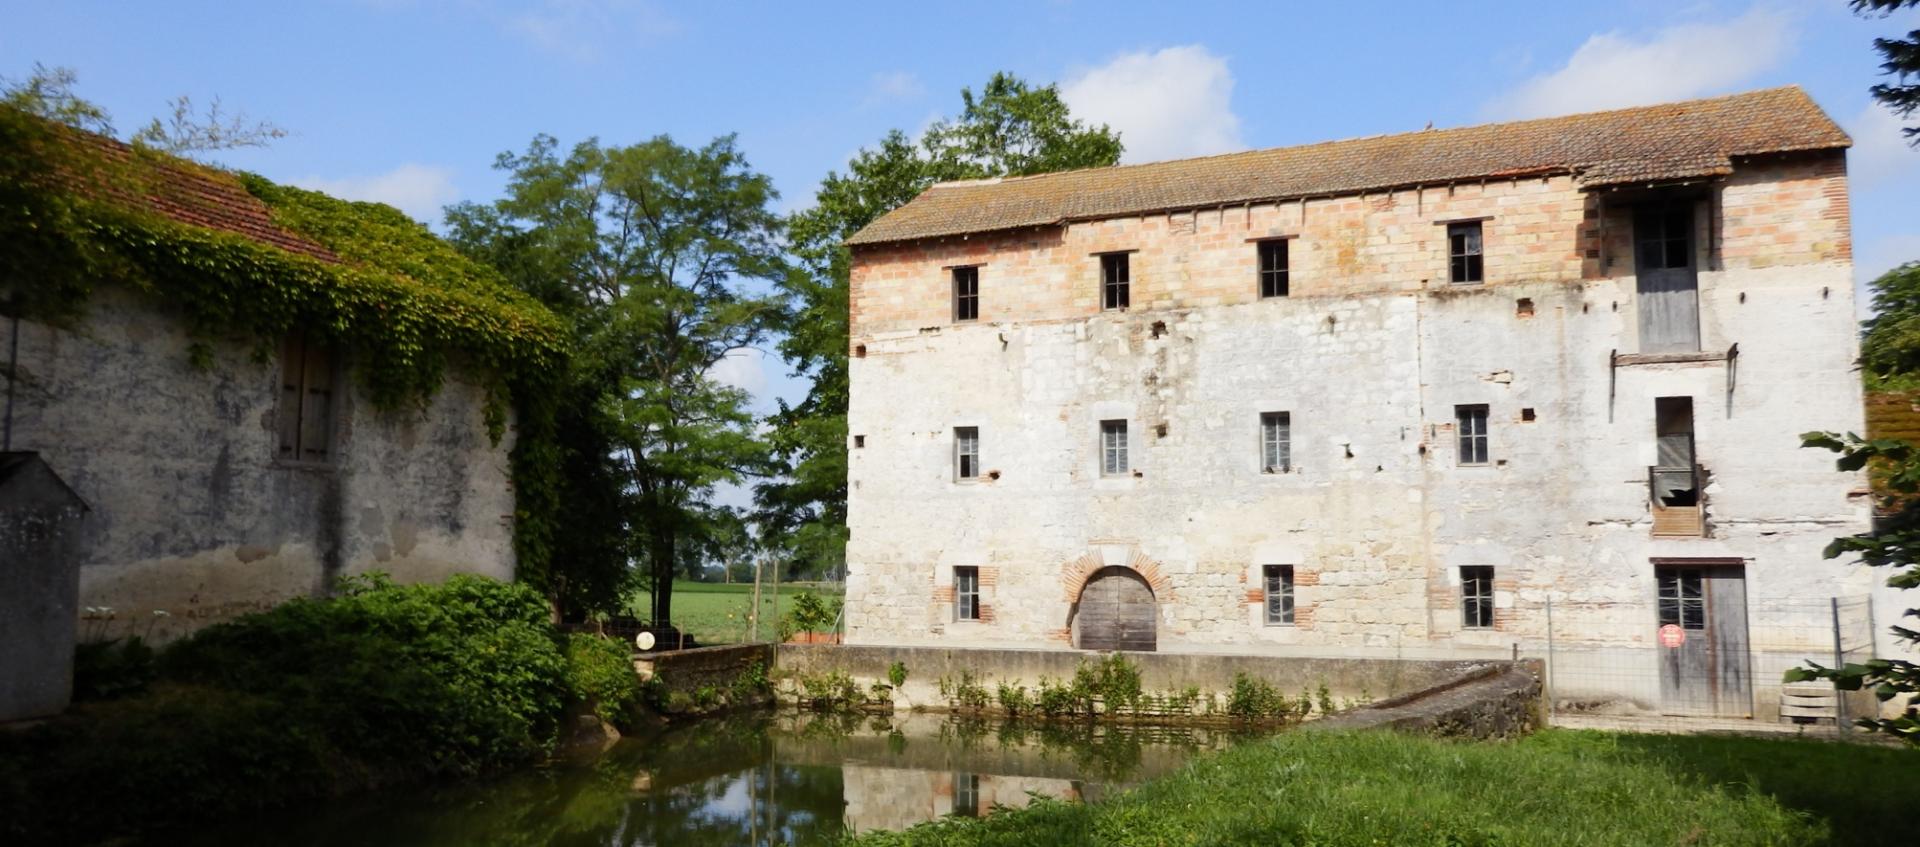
{"points": [[1696, 138], [200, 196]]}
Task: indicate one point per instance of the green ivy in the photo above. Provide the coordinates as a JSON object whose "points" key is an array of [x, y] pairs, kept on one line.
{"points": [[401, 303]]}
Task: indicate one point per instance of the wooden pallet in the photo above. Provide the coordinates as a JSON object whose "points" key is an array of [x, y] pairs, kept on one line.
{"points": [[1809, 702]]}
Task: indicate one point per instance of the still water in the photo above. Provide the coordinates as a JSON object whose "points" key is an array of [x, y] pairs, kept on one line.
{"points": [[762, 780]]}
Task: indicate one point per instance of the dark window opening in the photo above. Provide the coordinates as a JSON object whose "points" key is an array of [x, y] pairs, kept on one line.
{"points": [[1663, 236], [1273, 268], [859, 442], [1279, 593], [966, 795], [1276, 442], [1116, 281], [1681, 600], [966, 294], [966, 593], [966, 452], [306, 400], [1113, 448], [1463, 252], [1476, 596], [1675, 480], [1472, 425]]}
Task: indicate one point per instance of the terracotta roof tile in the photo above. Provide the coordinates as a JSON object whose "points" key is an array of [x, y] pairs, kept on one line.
{"points": [[197, 195], [1695, 138]]}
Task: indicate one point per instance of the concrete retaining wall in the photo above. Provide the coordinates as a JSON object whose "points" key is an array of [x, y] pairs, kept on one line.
{"points": [[702, 679], [1345, 679]]}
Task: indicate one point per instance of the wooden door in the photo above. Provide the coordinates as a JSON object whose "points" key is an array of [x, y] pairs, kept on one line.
{"points": [[1116, 612], [1664, 267], [1708, 670]]}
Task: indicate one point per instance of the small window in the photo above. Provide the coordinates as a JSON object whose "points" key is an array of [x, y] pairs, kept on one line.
{"points": [[1113, 448], [1116, 281], [966, 452], [306, 400], [1681, 601], [1279, 594], [1476, 596], [1463, 252], [1273, 268], [1663, 234], [966, 294], [1276, 442], [966, 794], [966, 593], [1472, 425]]}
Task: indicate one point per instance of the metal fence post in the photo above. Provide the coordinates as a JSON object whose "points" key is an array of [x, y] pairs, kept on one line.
{"points": [[1840, 721], [1550, 663]]}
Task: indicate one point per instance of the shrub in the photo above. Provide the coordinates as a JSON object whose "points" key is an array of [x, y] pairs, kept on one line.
{"points": [[103, 670], [1113, 681], [965, 693], [600, 676], [810, 613], [897, 674], [1013, 699]]}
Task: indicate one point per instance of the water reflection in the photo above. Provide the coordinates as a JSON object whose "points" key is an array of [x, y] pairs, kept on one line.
{"points": [[765, 780]]}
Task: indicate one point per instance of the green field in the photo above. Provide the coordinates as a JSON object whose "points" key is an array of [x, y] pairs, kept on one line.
{"points": [[716, 613], [1590, 789]]}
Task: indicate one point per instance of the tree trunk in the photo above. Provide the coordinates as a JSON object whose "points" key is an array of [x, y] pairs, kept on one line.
{"points": [[662, 555]]}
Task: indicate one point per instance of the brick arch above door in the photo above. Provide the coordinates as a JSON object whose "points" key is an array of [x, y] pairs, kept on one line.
{"points": [[1075, 573]]}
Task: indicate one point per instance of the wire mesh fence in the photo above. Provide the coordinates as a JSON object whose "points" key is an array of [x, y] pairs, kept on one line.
{"points": [[1708, 657]]}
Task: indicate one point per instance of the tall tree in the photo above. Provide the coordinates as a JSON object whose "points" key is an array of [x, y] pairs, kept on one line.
{"points": [[652, 249], [1902, 62], [1010, 128]]}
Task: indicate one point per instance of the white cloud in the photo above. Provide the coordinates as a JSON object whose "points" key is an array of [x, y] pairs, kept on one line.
{"points": [[1612, 70], [418, 190], [744, 368], [893, 87], [1880, 151], [1169, 104], [583, 30]]}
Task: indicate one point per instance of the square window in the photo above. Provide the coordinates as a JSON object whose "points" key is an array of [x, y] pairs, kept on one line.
{"points": [[1279, 594], [1276, 442], [1476, 596], [1463, 253], [1116, 281], [1273, 268], [1471, 422], [1681, 601], [966, 452], [966, 294], [966, 593], [1113, 448], [966, 795]]}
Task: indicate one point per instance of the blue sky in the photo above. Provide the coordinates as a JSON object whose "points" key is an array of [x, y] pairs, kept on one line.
{"points": [[408, 101]]}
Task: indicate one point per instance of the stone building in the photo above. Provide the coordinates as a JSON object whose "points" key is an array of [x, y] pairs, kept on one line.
{"points": [[225, 475], [1417, 393]]}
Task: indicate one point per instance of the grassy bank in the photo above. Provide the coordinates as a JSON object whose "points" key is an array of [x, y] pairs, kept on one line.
{"points": [[1556, 788], [717, 613], [382, 685]]}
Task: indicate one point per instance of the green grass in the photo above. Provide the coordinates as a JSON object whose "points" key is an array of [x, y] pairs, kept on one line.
{"points": [[1555, 788], [716, 613]]}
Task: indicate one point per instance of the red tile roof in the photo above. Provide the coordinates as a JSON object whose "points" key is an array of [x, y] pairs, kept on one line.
{"points": [[198, 195], [1690, 139]]}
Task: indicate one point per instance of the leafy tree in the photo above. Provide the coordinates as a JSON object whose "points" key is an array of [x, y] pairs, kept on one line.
{"points": [[1890, 357], [649, 249], [48, 92], [1902, 57], [1010, 129]]}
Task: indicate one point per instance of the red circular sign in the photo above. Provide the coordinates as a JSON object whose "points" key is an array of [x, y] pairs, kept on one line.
{"points": [[1672, 635]]}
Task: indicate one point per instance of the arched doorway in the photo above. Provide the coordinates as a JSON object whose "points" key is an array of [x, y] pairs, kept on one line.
{"points": [[1116, 612]]}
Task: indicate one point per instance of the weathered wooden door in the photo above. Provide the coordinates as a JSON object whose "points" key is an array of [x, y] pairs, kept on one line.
{"points": [[1669, 292], [1705, 668], [1116, 612]]}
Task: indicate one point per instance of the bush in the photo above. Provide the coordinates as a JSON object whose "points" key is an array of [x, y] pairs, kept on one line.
{"points": [[103, 670], [810, 613], [382, 684], [600, 676]]}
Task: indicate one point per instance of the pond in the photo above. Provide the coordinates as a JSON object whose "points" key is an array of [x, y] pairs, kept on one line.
{"points": [[760, 780]]}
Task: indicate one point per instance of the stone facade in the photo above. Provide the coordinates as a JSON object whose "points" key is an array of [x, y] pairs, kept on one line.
{"points": [[1369, 354], [196, 519]]}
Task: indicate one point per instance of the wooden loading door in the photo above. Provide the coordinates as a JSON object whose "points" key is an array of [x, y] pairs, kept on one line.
{"points": [[1668, 286], [1116, 612], [1705, 668]]}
